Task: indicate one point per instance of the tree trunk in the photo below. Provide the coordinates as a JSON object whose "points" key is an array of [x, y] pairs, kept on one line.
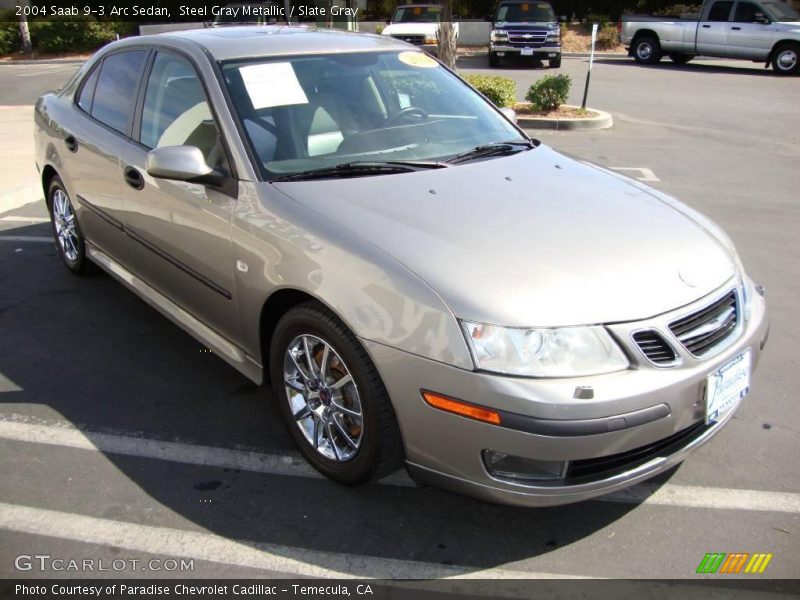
{"points": [[24, 31], [447, 36]]}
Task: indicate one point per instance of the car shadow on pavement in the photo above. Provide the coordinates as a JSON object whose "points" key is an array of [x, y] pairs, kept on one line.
{"points": [[85, 350], [691, 67]]}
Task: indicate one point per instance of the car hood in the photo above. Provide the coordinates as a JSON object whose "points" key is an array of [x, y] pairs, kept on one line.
{"points": [[532, 239], [411, 29]]}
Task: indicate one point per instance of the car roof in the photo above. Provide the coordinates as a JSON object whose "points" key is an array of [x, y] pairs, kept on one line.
{"points": [[229, 43]]}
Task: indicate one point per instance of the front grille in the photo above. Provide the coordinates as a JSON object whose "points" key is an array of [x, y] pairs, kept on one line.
{"points": [[527, 39], [701, 331], [593, 469], [417, 40], [655, 347]]}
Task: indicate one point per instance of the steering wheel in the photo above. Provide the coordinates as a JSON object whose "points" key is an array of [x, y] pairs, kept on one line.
{"points": [[405, 113]]}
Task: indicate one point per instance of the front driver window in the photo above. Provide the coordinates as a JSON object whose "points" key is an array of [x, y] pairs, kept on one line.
{"points": [[176, 111]]}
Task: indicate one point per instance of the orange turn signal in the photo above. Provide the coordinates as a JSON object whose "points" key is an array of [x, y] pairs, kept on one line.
{"points": [[461, 408]]}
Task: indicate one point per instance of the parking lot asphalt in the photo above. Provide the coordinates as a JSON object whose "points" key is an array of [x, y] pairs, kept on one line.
{"points": [[121, 437]]}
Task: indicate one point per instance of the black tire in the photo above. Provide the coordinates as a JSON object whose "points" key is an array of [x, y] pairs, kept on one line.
{"points": [[555, 63], [71, 243], [680, 59], [786, 58], [380, 451], [647, 50], [494, 60]]}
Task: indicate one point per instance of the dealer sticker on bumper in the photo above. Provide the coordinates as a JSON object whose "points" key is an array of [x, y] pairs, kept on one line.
{"points": [[726, 386]]}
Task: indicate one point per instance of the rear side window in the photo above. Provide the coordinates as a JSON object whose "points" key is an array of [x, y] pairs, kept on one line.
{"points": [[87, 91], [116, 88], [720, 11]]}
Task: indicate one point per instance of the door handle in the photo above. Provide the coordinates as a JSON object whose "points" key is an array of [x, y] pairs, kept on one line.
{"points": [[736, 28], [706, 26], [133, 178], [71, 143]]}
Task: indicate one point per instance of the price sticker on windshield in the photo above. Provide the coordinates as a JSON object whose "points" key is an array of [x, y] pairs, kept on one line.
{"points": [[417, 59]]}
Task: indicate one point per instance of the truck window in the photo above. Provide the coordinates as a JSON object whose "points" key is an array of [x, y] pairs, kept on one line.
{"points": [[720, 11], [746, 12]]}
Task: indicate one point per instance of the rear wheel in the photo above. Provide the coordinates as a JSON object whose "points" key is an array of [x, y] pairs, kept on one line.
{"points": [[786, 59], [555, 63], [647, 50], [680, 59], [332, 399], [67, 232]]}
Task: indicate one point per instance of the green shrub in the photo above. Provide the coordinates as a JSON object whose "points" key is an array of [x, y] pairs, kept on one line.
{"points": [[70, 34], [549, 93], [379, 28], [564, 29], [607, 37], [9, 32], [502, 91]]}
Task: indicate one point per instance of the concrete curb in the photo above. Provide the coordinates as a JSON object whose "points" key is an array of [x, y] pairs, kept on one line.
{"points": [[20, 196], [603, 120]]}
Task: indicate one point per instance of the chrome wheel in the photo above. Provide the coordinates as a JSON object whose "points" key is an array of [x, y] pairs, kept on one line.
{"points": [[644, 51], [787, 60], [64, 222], [323, 398]]}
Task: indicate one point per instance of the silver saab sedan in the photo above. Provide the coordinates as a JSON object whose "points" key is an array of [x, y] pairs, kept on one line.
{"points": [[421, 283]]}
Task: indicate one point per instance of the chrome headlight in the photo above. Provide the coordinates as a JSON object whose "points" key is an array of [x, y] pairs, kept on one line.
{"points": [[562, 352], [499, 35]]}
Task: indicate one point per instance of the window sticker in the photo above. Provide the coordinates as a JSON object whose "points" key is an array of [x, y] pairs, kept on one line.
{"points": [[417, 59], [272, 84]]}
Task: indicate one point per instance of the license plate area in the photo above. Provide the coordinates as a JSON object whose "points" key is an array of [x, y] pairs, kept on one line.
{"points": [[527, 52], [726, 386]]}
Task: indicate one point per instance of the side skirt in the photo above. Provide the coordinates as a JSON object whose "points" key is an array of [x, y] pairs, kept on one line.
{"points": [[232, 354]]}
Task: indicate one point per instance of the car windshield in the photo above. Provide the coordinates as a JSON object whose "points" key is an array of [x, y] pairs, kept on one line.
{"points": [[525, 12], [781, 11], [417, 14], [315, 112]]}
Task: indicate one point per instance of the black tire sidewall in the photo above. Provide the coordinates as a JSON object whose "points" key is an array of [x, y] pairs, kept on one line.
{"points": [[305, 319], [775, 64], [656, 54], [80, 263]]}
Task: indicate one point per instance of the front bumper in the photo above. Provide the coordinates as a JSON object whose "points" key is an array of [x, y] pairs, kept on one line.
{"points": [[446, 450], [538, 52]]}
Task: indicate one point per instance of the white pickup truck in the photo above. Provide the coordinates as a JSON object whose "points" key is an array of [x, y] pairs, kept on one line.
{"points": [[417, 24], [765, 31]]}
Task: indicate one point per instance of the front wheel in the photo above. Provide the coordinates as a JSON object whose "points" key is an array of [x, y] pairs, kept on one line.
{"points": [[555, 63], [680, 59], [647, 50], [332, 399], [786, 59]]}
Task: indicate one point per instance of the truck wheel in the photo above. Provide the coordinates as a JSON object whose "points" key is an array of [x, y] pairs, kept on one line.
{"points": [[494, 60], [647, 50], [786, 59], [555, 63], [680, 59], [333, 401]]}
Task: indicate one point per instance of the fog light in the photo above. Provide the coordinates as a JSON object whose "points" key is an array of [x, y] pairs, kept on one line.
{"points": [[505, 466]]}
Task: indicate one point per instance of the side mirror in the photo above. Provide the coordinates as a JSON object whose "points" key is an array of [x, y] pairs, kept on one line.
{"points": [[761, 18], [388, 21], [181, 163], [562, 19], [489, 18], [509, 114]]}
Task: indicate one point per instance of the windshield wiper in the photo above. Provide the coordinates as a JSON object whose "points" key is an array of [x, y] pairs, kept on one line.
{"points": [[361, 169], [494, 149]]}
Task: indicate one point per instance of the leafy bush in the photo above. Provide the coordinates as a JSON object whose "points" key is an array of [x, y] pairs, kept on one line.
{"points": [[607, 37], [676, 10], [549, 93], [70, 34], [564, 29], [9, 32], [502, 91], [379, 28]]}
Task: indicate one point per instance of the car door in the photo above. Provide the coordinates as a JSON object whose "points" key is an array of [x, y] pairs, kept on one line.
{"points": [[750, 33], [712, 33], [181, 230], [93, 141]]}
